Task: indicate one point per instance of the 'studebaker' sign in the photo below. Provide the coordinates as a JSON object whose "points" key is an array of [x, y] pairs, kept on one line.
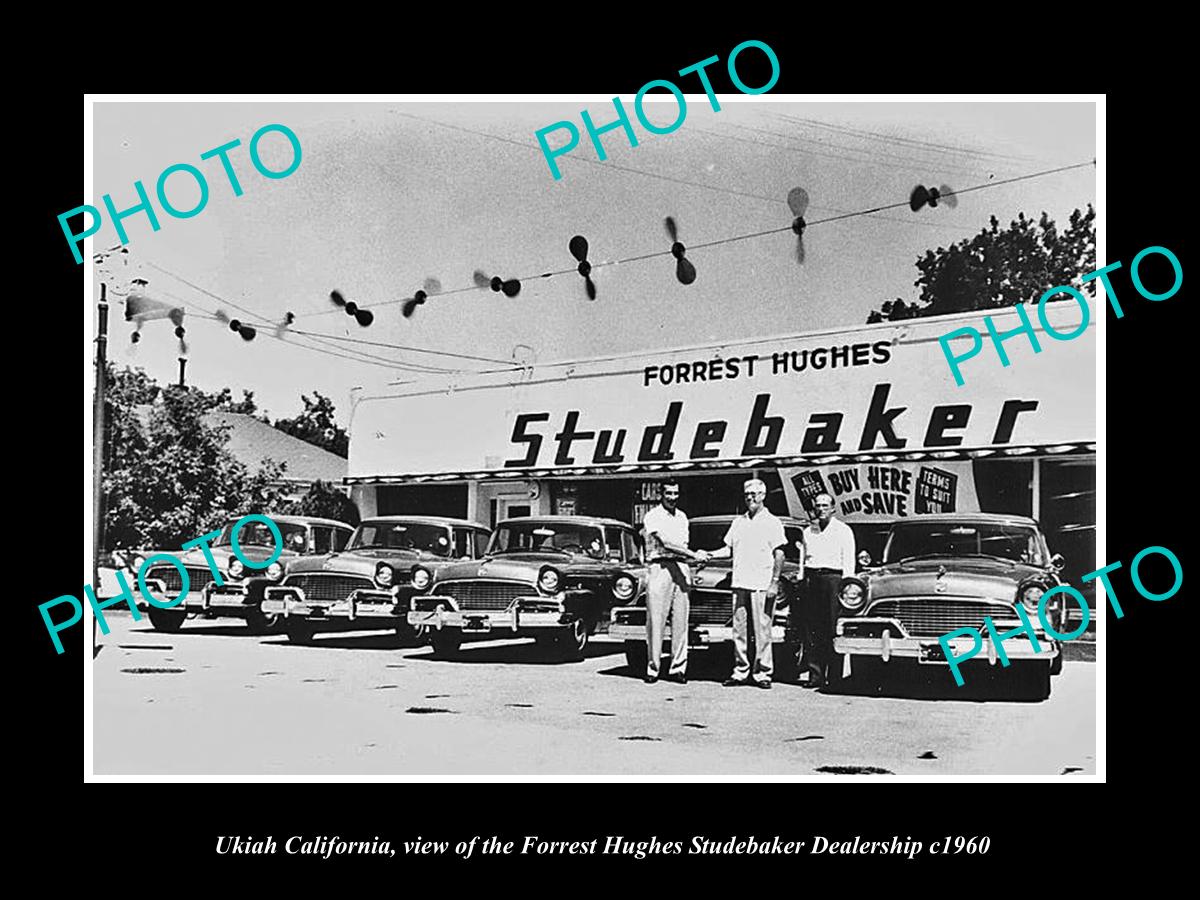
{"points": [[866, 392]]}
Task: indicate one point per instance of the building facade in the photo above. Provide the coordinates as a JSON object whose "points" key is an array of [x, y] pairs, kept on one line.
{"points": [[871, 415]]}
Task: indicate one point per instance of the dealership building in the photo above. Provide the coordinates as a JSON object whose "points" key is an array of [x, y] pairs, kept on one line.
{"points": [[871, 415]]}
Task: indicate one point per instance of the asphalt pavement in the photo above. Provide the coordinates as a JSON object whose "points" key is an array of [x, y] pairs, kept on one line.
{"points": [[213, 700]]}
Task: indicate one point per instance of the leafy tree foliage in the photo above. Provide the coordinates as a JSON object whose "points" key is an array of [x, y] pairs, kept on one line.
{"points": [[997, 268], [168, 477], [223, 401], [317, 426], [326, 501]]}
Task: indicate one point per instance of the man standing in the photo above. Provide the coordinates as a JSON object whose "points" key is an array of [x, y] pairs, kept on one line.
{"points": [[755, 540], [830, 547], [668, 581]]}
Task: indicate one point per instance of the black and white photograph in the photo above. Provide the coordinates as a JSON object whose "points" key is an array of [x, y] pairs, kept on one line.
{"points": [[687, 436]]}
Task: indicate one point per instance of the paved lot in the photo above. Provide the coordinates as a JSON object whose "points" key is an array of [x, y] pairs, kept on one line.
{"points": [[211, 700]]}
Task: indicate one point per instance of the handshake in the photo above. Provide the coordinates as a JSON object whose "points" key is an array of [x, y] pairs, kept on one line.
{"points": [[700, 557]]}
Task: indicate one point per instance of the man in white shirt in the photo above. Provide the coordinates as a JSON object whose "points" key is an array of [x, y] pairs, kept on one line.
{"points": [[755, 541], [668, 581], [830, 557]]}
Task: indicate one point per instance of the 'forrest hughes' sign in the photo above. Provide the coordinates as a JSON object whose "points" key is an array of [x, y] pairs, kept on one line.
{"points": [[883, 389]]}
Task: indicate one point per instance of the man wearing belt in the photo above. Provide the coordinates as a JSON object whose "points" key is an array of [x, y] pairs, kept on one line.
{"points": [[829, 543], [755, 541], [668, 581]]}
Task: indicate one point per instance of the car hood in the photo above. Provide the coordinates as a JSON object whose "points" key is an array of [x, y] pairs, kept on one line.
{"points": [[524, 567], [363, 562], [952, 576], [223, 556], [718, 573]]}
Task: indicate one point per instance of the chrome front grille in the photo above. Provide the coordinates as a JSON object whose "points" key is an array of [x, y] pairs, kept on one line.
{"points": [[169, 576], [934, 617], [323, 588], [710, 607], [485, 595]]}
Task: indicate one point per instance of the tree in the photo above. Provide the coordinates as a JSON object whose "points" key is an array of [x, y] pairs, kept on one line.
{"points": [[326, 501], [223, 401], [168, 478], [997, 268], [316, 425]]}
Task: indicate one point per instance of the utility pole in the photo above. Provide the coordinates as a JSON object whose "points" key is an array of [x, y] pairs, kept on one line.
{"points": [[98, 442], [182, 364]]}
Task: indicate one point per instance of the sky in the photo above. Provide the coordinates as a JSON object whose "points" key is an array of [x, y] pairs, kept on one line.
{"points": [[390, 193]]}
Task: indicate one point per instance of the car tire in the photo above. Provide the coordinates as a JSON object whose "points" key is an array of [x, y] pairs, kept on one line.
{"points": [[258, 622], [1032, 678], [867, 671], [298, 631], [833, 672], [445, 642], [573, 640], [409, 635], [170, 620], [635, 657]]}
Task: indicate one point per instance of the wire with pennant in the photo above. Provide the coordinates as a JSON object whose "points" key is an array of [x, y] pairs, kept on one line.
{"points": [[685, 270]]}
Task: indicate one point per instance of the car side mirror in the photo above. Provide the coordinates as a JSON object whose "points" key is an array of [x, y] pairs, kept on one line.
{"points": [[1057, 562]]}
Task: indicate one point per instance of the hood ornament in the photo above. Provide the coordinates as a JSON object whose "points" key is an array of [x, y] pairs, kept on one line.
{"points": [[939, 586]]}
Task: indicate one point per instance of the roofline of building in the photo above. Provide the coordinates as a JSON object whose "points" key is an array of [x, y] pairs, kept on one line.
{"points": [[741, 463]]}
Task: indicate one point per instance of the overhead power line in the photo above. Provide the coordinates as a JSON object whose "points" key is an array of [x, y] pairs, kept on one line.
{"points": [[840, 217], [897, 139], [269, 326]]}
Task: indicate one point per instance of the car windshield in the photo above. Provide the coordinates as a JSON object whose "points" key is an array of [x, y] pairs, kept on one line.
{"points": [[1018, 543], [707, 535], [414, 536], [257, 534], [548, 537], [711, 536]]}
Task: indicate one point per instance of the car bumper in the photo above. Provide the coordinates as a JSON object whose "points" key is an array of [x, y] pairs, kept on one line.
{"points": [[361, 606], [886, 638], [526, 615], [228, 599], [698, 636]]}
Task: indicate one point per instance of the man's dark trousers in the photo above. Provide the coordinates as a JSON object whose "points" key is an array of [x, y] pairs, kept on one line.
{"points": [[820, 612]]}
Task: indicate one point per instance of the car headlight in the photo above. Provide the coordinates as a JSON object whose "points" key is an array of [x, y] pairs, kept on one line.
{"points": [[274, 571], [853, 593], [1031, 595], [548, 580], [236, 569], [421, 578], [624, 587], [384, 575]]}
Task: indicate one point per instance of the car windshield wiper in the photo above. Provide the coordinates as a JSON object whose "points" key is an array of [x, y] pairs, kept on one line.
{"points": [[530, 550]]}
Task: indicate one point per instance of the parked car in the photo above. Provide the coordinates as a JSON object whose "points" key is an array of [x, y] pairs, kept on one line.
{"points": [[241, 593], [369, 584], [552, 578], [710, 602], [946, 572]]}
